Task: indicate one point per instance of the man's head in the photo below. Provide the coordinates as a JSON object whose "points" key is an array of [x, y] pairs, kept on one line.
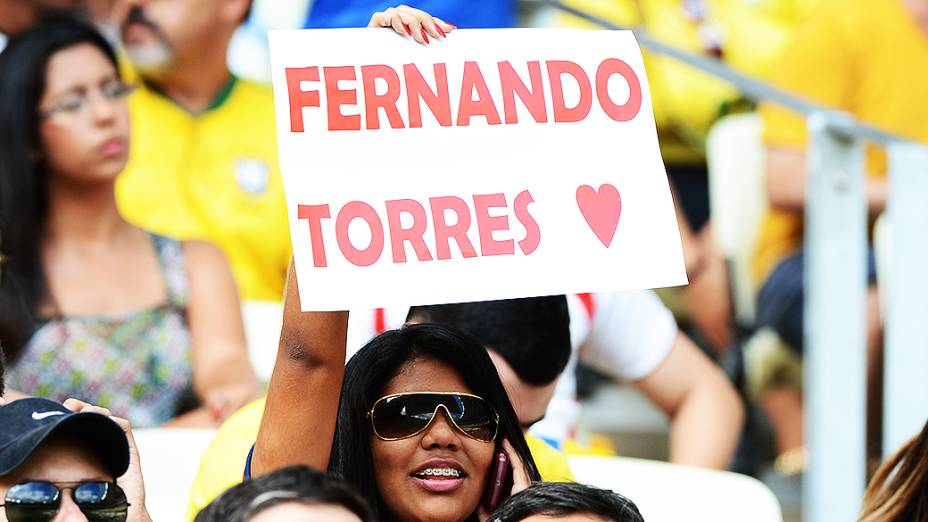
{"points": [[528, 340], [160, 35], [293, 493], [566, 502], [59, 465]]}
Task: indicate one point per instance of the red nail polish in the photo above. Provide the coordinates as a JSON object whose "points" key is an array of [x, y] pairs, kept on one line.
{"points": [[425, 36], [441, 31], [407, 29]]}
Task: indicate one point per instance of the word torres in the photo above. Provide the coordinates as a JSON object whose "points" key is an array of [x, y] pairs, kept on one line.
{"points": [[475, 98], [444, 230]]}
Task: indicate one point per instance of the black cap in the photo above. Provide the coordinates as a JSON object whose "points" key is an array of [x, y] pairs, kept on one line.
{"points": [[25, 424]]}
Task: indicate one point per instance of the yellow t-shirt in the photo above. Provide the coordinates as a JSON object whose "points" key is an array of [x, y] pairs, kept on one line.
{"points": [[223, 463], [212, 176], [687, 101], [866, 57]]}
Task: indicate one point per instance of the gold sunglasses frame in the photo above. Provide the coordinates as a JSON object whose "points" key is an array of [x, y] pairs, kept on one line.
{"points": [[370, 415]]}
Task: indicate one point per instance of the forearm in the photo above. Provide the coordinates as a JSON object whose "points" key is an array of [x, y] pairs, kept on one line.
{"points": [[787, 182], [706, 428], [876, 191]]}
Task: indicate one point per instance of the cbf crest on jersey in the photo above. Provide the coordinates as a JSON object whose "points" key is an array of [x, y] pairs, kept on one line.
{"points": [[252, 175]]}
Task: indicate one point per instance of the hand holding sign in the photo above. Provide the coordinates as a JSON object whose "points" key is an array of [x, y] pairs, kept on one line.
{"points": [[551, 179], [414, 22]]}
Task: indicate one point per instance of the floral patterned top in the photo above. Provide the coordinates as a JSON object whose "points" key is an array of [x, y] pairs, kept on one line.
{"points": [[137, 364]]}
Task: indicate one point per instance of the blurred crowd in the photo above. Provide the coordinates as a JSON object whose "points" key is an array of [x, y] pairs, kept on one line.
{"points": [[141, 204]]}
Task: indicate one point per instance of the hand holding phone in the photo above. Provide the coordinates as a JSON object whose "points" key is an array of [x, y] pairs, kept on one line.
{"points": [[500, 480]]}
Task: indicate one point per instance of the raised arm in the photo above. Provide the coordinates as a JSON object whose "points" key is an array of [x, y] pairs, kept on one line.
{"points": [[302, 401]]}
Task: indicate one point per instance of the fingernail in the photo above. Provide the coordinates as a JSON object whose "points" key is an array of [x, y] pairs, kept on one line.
{"points": [[452, 25], [425, 36], [408, 31], [441, 31]]}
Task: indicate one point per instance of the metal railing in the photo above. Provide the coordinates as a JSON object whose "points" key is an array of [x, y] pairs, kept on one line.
{"points": [[836, 245]]}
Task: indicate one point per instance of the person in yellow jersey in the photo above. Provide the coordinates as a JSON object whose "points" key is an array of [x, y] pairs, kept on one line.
{"points": [[746, 35], [204, 153], [869, 58]]}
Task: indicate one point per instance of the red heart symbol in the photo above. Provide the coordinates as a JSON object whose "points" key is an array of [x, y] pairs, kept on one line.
{"points": [[601, 209]]}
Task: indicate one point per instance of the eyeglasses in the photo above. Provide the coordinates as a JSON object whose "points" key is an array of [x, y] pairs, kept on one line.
{"points": [[75, 102], [39, 501], [403, 415]]}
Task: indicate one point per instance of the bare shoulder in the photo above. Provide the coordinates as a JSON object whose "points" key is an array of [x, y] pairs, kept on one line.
{"points": [[201, 251], [204, 258]]}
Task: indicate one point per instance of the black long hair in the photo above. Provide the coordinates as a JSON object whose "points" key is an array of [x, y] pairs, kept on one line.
{"points": [[23, 198], [370, 370]]}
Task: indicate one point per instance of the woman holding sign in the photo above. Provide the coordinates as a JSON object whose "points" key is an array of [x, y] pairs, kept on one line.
{"points": [[423, 428], [92, 307]]}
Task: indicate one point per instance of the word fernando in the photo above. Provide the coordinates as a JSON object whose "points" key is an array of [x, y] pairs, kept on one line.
{"points": [[475, 99]]}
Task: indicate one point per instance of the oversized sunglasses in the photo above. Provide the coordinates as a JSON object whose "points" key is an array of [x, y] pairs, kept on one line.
{"points": [[403, 415], [39, 501]]}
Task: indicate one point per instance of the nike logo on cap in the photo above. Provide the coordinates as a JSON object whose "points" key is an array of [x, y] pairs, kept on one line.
{"points": [[39, 416]]}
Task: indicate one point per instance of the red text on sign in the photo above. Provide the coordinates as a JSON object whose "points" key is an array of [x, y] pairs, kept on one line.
{"points": [[381, 110], [451, 218]]}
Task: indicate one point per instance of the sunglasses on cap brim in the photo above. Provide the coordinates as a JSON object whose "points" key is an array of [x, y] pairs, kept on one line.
{"points": [[404, 415]]}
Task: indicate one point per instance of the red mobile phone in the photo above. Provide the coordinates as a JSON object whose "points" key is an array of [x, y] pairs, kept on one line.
{"points": [[499, 480]]}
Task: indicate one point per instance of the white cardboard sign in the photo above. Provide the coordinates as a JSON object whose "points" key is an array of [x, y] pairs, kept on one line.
{"points": [[488, 165]]}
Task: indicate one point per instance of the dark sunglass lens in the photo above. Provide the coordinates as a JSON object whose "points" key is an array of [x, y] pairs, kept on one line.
{"points": [[91, 493], [102, 502], [30, 513], [473, 415], [398, 417], [33, 493], [31, 502]]}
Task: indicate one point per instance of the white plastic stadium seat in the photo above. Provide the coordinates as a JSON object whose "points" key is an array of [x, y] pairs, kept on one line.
{"points": [[263, 320], [671, 493], [738, 199], [170, 459], [737, 196]]}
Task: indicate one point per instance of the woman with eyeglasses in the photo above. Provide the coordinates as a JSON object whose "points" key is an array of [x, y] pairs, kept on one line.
{"points": [[91, 306], [424, 427]]}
